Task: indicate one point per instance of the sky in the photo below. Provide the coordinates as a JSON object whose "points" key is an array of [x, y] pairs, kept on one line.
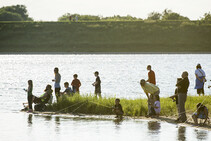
{"points": [[51, 10]]}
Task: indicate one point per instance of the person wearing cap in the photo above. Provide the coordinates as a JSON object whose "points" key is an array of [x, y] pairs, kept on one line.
{"points": [[151, 89], [151, 75], [200, 79], [182, 96], [97, 84]]}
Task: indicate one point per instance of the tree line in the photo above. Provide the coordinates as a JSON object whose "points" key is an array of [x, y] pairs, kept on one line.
{"points": [[19, 13], [164, 16], [14, 13]]}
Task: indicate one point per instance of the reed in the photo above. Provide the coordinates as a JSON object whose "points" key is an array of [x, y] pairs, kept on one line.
{"points": [[89, 104]]}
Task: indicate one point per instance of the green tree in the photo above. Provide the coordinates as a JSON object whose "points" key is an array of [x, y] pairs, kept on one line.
{"points": [[170, 15], [9, 16], [207, 17], [15, 10], [66, 17], [121, 18], [154, 16]]}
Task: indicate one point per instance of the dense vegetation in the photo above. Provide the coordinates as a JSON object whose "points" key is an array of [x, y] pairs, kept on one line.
{"points": [[166, 15], [109, 36], [138, 107], [14, 13]]}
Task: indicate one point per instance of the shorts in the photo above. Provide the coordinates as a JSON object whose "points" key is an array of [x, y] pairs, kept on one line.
{"points": [[201, 116]]}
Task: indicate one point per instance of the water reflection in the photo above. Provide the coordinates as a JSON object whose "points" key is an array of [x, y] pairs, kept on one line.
{"points": [[48, 118], [118, 121], [30, 119], [181, 133], [201, 134], [154, 126], [57, 120]]}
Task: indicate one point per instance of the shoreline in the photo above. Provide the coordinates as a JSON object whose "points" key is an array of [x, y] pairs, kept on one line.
{"points": [[168, 119], [102, 53]]}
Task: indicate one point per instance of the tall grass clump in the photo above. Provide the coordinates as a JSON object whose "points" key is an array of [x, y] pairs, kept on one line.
{"points": [[88, 104]]}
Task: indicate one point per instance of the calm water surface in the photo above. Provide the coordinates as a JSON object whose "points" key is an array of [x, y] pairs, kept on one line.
{"points": [[120, 75]]}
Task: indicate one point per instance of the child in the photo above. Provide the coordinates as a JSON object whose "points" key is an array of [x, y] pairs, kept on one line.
{"points": [[117, 109], [76, 84], [29, 95], [97, 84], [156, 105], [68, 90], [202, 113]]}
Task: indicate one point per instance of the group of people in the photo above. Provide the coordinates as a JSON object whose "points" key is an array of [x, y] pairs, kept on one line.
{"points": [[180, 96], [47, 96], [149, 86]]}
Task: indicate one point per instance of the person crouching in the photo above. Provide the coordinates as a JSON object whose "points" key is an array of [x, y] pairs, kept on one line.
{"points": [[117, 109]]}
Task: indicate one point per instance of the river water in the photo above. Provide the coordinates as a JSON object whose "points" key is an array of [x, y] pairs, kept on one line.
{"points": [[120, 76]]}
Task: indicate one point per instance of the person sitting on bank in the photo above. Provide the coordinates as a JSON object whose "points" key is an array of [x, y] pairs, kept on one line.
{"points": [[156, 105], [202, 113], [182, 96], [151, 75], [43, 99], [68, 91], [76, 84], [117, 109], [151, 89]]}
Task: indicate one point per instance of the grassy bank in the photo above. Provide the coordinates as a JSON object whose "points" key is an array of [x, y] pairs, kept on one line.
{"points": [[116, 36], [138, 107]]}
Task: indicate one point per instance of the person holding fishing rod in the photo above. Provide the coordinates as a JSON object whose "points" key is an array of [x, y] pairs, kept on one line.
{"points": [[182, 96], [29, 95]]}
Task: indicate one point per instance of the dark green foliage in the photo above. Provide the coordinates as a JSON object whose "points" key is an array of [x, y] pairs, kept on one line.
{"points": [[66, 17], [121, 18], [207, 17], [14, 13], [170, 15], [9, 16], [154, 16]]}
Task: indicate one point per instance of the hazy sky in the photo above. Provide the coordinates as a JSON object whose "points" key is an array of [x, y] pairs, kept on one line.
{"points": [[50, 10]]}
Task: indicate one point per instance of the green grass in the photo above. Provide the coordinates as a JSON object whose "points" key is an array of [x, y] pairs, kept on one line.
{"points": [[107, 36], [131, 107]]}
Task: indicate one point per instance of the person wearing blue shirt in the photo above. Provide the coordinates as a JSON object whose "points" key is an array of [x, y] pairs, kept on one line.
{"points": [[57, 83]]}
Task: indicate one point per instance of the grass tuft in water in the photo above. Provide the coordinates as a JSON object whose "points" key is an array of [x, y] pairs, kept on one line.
{"points": [[89, 104]]}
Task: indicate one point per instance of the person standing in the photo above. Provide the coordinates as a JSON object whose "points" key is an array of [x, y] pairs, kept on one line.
{"points": [[97, 84], [76, 84], [57, 80], [29, 94], [182, 96], [151, 89], [151, 75], [200, 79]]}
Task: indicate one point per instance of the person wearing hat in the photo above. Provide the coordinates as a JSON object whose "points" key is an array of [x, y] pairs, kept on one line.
{"points": [[97, 84], [151, 89], [200, 79]]}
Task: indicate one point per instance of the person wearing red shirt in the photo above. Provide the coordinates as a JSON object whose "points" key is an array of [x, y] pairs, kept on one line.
{"points": [[76, 84], [151, 75]]}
